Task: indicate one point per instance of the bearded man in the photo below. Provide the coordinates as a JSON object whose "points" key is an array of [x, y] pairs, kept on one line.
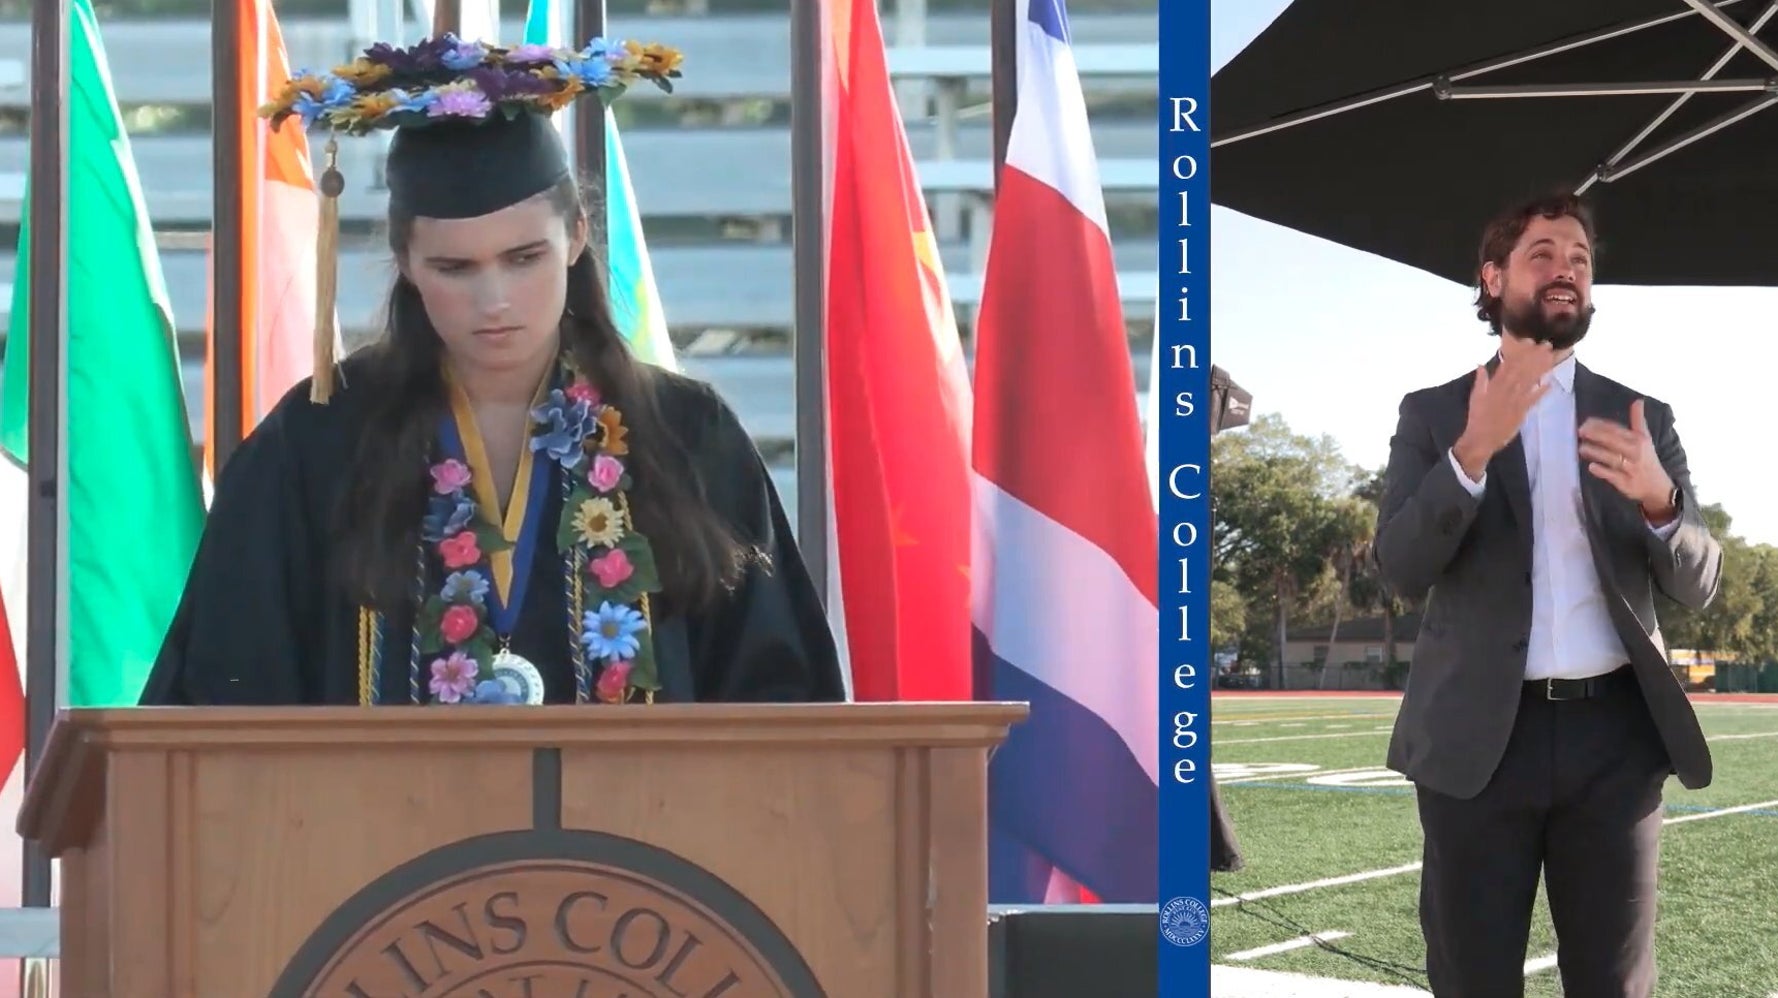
{"points": [[1536, 506]]}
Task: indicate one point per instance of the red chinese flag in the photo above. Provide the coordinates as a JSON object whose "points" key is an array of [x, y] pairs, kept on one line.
{"points": [[898, 404], [12, 699]]}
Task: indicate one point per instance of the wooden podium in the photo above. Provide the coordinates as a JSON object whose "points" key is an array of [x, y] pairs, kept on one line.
{"points": [[682, 851]]}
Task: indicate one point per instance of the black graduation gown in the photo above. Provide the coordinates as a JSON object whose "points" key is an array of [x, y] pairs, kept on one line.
{"points": [[261, 621]]}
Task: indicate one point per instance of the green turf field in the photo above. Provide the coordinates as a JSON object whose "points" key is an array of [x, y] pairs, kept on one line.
{"points": [[1304, 782]]}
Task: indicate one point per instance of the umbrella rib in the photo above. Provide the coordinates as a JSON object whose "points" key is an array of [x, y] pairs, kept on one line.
{"points": [[1475, 69], [1682, 87], [1713, 13], [1711, 127], [1658, 120]]}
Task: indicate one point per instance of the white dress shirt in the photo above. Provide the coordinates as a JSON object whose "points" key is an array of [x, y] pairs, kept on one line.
{"points": [[1572, 636]]}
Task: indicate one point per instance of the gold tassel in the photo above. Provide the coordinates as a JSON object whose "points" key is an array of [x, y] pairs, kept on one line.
{"points": [[327, 275]]}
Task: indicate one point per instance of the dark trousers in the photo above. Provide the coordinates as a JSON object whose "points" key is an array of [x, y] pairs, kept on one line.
{"points": [[1225, 849], [1577, 798]]}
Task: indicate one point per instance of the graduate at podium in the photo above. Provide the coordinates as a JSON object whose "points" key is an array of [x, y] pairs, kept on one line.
{"points": [[495, 502]]}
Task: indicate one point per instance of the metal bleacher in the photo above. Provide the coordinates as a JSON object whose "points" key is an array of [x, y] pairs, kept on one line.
{"points": [[710, 165]]}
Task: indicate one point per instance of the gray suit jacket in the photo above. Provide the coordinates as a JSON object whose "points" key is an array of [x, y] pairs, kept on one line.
{"points": [[1471, 561]]}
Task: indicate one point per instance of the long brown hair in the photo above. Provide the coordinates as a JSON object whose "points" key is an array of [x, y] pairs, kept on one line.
{"points": [[698, 554]]}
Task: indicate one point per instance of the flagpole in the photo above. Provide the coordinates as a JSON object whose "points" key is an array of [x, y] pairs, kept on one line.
{"points": [[447, 17], [227, 384], [808, 271], [589, 138], [1003, 75], [45, 453]]}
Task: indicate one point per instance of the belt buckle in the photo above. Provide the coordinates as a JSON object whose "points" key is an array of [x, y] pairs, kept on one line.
{"points": [[1549, 691]]}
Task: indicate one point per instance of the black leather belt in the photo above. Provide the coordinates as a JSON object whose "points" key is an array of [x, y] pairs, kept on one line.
{"points": [[1579, 689]]}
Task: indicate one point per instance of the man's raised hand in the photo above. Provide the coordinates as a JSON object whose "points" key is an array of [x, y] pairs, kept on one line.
{"points": [[1499, 402], [1625, 456]]}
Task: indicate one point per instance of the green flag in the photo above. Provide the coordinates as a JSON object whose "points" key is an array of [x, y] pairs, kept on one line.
{"points": [[135, 507], [634, 297]]}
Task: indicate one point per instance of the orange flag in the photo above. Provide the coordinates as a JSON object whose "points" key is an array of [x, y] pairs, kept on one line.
{"points": [[898, 402], [278, 234]]}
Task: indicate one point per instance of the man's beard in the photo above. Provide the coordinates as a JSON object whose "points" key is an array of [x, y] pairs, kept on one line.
{"points": [[1530, 321]]}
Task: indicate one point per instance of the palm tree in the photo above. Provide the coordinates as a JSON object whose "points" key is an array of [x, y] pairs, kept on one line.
{"points": [[1369, 593], [1351, 528]]}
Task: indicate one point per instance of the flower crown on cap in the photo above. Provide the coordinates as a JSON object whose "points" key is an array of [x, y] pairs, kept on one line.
{"points": [[436, 81], [448, 79]]}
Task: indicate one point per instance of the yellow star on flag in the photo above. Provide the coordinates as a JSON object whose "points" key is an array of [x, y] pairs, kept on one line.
{"points": [[899, 537]]}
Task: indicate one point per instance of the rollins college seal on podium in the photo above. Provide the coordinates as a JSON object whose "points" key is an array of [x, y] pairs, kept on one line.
{"points": [[559, 914], [547, 912]]}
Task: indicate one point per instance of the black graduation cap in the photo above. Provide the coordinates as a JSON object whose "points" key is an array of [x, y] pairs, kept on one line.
{"points": [[473, 130], [468, 170]]}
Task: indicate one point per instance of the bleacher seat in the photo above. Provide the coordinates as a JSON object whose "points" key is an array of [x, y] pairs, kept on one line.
{"points": [[711, 167]]}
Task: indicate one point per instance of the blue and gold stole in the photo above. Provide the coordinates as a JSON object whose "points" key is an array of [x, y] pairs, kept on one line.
{"points": [[475, 559], [460, 438], [507, 542]]}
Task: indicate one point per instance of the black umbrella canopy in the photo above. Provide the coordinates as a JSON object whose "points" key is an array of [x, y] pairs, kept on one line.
{"points": [[1399, 127]]}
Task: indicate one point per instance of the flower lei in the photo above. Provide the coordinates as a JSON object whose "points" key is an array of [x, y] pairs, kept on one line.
{"points": [[447, 78], [609, 565]]}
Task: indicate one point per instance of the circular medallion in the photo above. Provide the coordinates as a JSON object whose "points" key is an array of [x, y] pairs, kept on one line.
{"points": [[1185, 921], [545, 913], [519, 679]]}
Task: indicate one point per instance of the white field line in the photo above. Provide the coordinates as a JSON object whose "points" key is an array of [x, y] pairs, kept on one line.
{"points": [[1378, 730], [1540, 964], [1340, 881], [1288, 696], [1384, 728], [1354, 878], [1294, 696], [1306, 774], [1251, 982], [1237, 718], [1719, 812], [1297, 738], [1268, 777], [1701, 701], [1300, 942]]}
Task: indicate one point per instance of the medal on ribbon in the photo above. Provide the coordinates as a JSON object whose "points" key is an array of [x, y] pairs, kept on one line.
{"points": [[518, 679]]}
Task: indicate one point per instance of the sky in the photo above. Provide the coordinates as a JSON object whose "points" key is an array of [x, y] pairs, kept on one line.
{"points": [[1295, 347]]}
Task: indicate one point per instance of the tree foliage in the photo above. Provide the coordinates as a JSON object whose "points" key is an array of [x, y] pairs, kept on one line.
{"points": [[1285, 507], [1228, 614], [1743, 619]]}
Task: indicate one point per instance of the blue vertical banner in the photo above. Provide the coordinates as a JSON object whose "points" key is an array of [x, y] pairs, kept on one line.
{"points": [[1182, 411]]}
